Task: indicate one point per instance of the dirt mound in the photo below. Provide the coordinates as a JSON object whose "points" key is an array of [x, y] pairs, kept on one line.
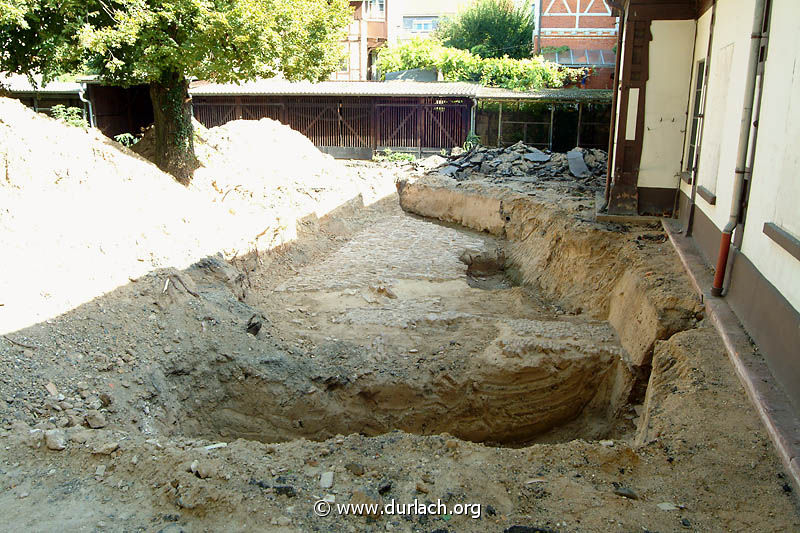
{"points": [[82, 214], [253, 167]]}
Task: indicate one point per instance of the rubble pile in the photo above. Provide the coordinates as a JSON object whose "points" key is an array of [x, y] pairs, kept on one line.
{"points": [[521, 162]]}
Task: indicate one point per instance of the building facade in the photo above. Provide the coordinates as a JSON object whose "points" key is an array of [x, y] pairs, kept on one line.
{"points": [[365, 34], [707, 117]]}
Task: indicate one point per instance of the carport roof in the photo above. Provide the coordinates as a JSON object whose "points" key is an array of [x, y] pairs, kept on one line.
{"points": [[17, 83], [278, 87]]}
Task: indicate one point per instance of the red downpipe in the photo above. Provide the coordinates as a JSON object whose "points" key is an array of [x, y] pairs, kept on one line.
{"points": [[722, 261]]}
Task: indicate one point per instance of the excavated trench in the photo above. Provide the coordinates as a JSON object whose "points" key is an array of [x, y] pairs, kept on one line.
{"points": [[417, 326]]}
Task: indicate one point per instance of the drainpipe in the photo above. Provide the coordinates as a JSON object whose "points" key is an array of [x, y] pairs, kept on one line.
{"points": [[83, 99], [741, 153], [472, 116]]}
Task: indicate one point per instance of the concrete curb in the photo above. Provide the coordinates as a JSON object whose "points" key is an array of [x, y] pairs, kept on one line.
{"points": [[772, 404]]}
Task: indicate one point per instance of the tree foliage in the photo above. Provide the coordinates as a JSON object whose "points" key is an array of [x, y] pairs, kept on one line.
{"points": [[491, 28], [461, 65], [163, 43]]}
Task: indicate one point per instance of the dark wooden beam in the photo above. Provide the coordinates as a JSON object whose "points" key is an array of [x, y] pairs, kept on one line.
{"points": [[667, 10]]}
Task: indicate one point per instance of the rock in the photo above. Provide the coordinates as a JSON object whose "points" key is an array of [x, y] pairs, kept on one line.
{"points": [[285, 490], [105, 448], [203, 469], [254, 325], [508, 157], [326, 480], [577, 167], [355, 469], [51, 388], [528, 529], [384, 487], [626, 492], [421, 488], [34, 438], [449, 170], [667, 506], [456, 151], [95, 419], [451, 444], [361, 498], [283, 521], [100, 471], [487, 167], [607, 443], [477, 158], [536, 156], [55, 439], [504, 169]]}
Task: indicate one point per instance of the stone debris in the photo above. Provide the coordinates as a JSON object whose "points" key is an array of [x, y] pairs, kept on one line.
{"points": [[326, 480], [521, 162], [577, 166], [95, 419], [55, 439], [667, 506], [625, 492]]}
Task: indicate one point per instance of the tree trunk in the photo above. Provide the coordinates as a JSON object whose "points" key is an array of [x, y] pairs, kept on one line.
{"points": [[172, 112]]}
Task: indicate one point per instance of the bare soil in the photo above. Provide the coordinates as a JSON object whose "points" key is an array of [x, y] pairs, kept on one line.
{"points": [[505, 350]]}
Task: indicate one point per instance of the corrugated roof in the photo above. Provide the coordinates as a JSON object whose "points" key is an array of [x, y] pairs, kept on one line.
{"points": [[18, 83], [279, 87]]}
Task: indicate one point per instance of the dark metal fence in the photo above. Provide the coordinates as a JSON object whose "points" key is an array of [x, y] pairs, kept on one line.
{"points": [[558, 126], [352, 126]]}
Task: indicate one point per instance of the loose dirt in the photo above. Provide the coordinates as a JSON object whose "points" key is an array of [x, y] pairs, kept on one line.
{"points": [[506, 351]]}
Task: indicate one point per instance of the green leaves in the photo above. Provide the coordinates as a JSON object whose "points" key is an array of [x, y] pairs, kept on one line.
{"points": [[491, 28], [461, 65], [141, 41]]}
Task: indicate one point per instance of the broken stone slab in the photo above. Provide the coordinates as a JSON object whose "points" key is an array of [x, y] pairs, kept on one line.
{"points": [[449, 170], [509, 157], [577, 166], [477, 158], [536, 156]]}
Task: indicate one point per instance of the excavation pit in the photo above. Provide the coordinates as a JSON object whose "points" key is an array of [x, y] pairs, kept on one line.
{"points": [[415, 326]]}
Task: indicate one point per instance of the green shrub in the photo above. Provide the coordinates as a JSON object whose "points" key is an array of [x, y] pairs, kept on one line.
{"points": [[490, 28], [126, 139], [461, 65], [389, 155], [69, 115]]}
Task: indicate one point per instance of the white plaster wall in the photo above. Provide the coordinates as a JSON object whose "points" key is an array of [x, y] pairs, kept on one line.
{"points": [[775, 193], [723, 111], [665, 102]]}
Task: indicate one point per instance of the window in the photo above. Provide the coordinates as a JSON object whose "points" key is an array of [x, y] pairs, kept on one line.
{"points": [[376, 9], [420, 24], [697, 115]]}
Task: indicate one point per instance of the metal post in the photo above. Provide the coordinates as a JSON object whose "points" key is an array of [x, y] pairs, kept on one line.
{"points": [[580, 113], [500, 127], [552, 111]]}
